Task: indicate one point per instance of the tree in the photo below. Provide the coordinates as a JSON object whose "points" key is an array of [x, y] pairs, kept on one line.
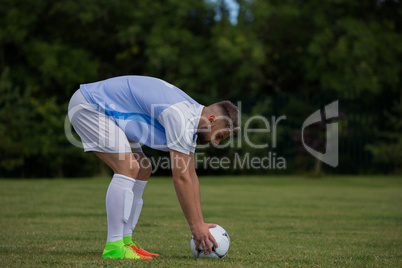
{"points": [[389, 150]]}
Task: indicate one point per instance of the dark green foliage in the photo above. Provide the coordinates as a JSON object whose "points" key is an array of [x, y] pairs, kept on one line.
{"points": [[281, 58], [388, 150]]}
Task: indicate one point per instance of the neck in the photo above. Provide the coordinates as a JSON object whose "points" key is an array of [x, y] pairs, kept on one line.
{"points": [[204, 118]]}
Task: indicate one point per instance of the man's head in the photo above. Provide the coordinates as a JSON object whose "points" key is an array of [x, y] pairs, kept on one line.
{"points": [[218, 121]]}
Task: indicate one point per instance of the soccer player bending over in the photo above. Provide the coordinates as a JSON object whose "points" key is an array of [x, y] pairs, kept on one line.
{"points": [[114, 116]]}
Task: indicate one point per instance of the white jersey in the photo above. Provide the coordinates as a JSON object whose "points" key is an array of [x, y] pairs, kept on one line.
{"points": [[149, 111]]}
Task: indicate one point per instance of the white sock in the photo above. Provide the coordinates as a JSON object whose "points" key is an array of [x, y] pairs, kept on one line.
{"points": [[138, 189], [119, 199]]}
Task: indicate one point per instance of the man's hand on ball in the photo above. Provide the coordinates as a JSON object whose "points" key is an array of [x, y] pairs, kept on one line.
{"points": [[203, 236], [211, 225]]}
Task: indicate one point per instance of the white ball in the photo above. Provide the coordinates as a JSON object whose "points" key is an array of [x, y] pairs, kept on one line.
{"points": [[221, 237]]}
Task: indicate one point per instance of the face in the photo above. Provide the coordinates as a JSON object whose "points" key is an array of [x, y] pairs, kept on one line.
{"points": [[214, 133]]}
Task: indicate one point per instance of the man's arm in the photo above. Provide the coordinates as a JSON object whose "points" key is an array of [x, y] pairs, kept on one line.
{"points": [[197, 192], [189, 201], [196, 186]]}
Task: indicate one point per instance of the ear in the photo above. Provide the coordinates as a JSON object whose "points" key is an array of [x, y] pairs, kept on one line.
{"points": [[212, 118]]}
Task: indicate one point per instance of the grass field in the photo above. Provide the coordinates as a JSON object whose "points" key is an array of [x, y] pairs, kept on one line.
{"points": [[272, 222]]}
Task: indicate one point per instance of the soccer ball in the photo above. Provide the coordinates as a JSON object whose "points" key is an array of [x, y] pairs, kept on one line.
{"points": [[221, 237]]}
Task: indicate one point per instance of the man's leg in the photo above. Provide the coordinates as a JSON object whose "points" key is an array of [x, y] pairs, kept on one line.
{"points": [[141, 181], [138, 189], [119, 198], [100, 134]]}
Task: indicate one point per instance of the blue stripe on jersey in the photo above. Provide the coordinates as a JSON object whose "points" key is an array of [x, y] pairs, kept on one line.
{"points": [[136, 117]]}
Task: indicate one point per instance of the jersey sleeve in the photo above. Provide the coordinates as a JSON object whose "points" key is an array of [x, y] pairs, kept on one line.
{"points": [[180, 134]]}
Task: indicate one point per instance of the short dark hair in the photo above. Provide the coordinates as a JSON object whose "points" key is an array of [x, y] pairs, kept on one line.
{"points": [[230, 111]]}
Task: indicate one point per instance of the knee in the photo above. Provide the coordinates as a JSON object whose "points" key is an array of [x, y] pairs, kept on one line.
{"points": [[145, 168], [127, 167]]}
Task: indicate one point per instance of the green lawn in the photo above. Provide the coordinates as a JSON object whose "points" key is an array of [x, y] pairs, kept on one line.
{"points": [[272, 222]]}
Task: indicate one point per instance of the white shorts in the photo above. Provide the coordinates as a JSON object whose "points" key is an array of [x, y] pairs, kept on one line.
{"points": [[98, 132]]}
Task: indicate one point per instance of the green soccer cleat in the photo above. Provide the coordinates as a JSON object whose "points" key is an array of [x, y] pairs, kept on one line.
{"points": [[136, 247], [117, 250]]}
